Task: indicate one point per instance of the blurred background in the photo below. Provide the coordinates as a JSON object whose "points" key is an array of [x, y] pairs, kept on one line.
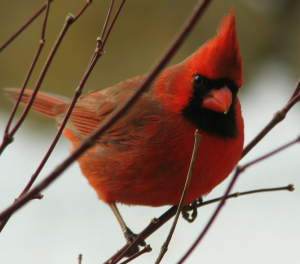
{"points": [[262, 228]]}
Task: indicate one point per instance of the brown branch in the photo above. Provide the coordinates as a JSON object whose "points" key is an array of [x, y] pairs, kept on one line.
{"points": [[164, 247], [107, 19], [46, 5], [9, 136], [98, 51], [89, 141], [79, 258], [88, 2], [296, 90], [237, 172], [272, 153], [156, 223], [289, 187], [277, 118]]}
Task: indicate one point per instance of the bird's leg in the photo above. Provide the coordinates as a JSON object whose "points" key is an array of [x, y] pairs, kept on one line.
{"points": [[129, 235], [193, 206]]}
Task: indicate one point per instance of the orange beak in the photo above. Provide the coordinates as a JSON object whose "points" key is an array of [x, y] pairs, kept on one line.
{"points": [[218, 100]]}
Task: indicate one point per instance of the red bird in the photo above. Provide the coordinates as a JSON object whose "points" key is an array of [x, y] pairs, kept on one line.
{"points": [[143, 159]]}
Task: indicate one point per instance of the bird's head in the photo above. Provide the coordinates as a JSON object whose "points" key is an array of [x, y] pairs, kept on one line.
{"points": [[204, 86], [216, 67]]}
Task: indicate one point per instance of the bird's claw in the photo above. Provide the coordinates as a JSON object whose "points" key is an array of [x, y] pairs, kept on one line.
{"points": [[130, 237], [193, 206]]}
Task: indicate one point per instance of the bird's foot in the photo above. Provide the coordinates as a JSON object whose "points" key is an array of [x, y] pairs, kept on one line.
{"points": [[130, 237], [191, 207]]}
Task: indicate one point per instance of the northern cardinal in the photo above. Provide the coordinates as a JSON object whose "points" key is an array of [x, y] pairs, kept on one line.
{"points": [[143, 159]]}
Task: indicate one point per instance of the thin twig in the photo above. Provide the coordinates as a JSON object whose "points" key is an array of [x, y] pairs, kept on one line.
{"points": [[165, 246], [79, 258], [24, 26], [56, 138], [296, 90], [237, 172], [89, 141], [9, 136], [107, 19], [277, 118], [111, 25], [289, 187], [271, 153], [62, 125], [88, 2], [45, 20], [98, 51]]}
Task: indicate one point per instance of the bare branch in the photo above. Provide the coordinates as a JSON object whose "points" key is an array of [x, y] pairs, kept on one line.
{"points": [[88, 2], [271, 153], [296, 90], [289, 187], [107, 19], [156, 223], [277, 118], [46, 5], [69, 21], [164, 247], [8, 137], [79, 258]]}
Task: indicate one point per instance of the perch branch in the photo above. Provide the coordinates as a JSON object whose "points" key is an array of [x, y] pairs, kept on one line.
{"points": [[156, 223]]}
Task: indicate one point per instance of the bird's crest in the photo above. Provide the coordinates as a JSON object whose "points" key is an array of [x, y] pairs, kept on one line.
{"points": [[220, 57]]}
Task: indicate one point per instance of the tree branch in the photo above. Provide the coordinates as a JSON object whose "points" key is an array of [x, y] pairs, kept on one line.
{"points": [[165, 246], [27, 23], [277, 118], [8, 137]]}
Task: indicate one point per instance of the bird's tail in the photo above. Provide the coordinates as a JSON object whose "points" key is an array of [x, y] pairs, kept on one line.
{"points": [[46, 104]]}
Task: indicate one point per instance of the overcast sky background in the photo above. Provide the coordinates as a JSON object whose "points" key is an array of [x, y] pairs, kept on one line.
{"points": [[261, 228]]}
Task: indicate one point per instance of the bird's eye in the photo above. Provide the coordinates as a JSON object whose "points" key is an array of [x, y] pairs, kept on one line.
{"points": [[198, 80]]}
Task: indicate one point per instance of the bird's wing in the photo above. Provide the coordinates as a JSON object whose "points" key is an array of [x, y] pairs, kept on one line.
{"points": [[93, 107]]}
